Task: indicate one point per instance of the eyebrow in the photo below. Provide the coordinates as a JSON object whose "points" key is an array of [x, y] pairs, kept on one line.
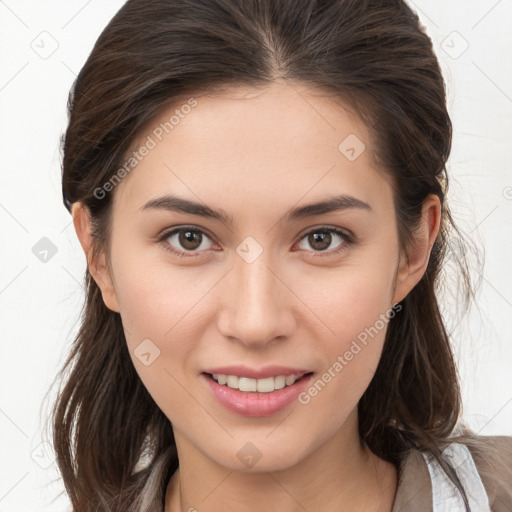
{"points": [[177, 204]]}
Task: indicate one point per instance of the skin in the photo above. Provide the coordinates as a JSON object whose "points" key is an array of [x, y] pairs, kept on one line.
{"points": [[255, 154]]}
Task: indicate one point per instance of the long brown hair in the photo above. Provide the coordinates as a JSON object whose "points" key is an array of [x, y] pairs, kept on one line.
{"points": [[374, 55]]}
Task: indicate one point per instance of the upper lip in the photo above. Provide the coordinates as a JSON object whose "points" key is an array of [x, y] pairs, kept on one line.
{"points": [[261, 373]]}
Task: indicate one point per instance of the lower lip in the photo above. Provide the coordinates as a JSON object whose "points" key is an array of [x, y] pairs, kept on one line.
{"points": [[256, 404]]}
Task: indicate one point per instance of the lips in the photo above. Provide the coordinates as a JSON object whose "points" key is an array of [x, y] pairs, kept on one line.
{"points": [[255, 404]]}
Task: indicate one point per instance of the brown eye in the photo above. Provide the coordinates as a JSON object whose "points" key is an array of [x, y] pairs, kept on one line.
{"points": [[190, 240], [321, 239], [185, 241]]}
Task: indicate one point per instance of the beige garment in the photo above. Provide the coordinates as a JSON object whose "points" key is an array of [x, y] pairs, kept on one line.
{"points": [[492, 456]]}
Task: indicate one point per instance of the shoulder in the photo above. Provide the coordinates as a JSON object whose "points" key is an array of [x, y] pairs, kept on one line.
{"points": [[492, 456]]}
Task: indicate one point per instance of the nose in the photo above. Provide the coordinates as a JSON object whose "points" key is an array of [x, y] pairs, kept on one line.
{"points": [[258, 306]]}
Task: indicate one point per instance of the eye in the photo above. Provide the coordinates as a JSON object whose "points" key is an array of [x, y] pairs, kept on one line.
{"points": [[321, 239], [188, 238], [189, 241]]}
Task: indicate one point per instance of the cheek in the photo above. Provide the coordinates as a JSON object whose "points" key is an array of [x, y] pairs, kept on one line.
{"points": [[352, 301], [155, 299], [162, 309], [160, 324], [356, 310], [350, 364]]}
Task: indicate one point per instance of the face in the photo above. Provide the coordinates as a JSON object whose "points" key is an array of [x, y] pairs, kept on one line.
{"points": [[262, 282]]}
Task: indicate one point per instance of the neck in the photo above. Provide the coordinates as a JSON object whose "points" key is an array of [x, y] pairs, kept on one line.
{"points": [[340, 475]]}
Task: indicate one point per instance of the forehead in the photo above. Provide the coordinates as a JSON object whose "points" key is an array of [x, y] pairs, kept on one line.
{"points": [[282, 141]]}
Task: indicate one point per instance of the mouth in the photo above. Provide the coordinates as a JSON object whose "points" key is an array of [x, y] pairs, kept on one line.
{"points": [[256, 397], [249, 385]]}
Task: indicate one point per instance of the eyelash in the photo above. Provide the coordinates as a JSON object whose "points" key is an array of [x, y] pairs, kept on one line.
{"points": [[346, 238]]}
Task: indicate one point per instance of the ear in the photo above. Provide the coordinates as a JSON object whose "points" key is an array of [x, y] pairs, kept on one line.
{"points": [[411, 270], [96, 265]]}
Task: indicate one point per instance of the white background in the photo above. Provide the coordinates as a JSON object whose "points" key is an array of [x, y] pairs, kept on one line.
{"points": [[40, 301]]}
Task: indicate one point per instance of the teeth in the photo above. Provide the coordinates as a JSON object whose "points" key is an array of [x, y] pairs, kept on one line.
{"points": [[262, 385], [290, 380]]}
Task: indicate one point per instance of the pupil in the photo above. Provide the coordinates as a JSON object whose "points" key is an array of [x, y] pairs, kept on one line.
{"points": [[188, 239], [325, 237]]}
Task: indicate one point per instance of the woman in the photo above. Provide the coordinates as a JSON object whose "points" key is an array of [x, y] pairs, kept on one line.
{"points": [[259, 189]]}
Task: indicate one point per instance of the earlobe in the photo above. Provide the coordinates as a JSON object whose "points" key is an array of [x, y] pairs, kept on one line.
{"points": [[412, 268], [96, 265]]}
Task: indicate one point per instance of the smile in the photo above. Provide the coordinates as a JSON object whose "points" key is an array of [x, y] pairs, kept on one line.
{"points": [[256, 397]]}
